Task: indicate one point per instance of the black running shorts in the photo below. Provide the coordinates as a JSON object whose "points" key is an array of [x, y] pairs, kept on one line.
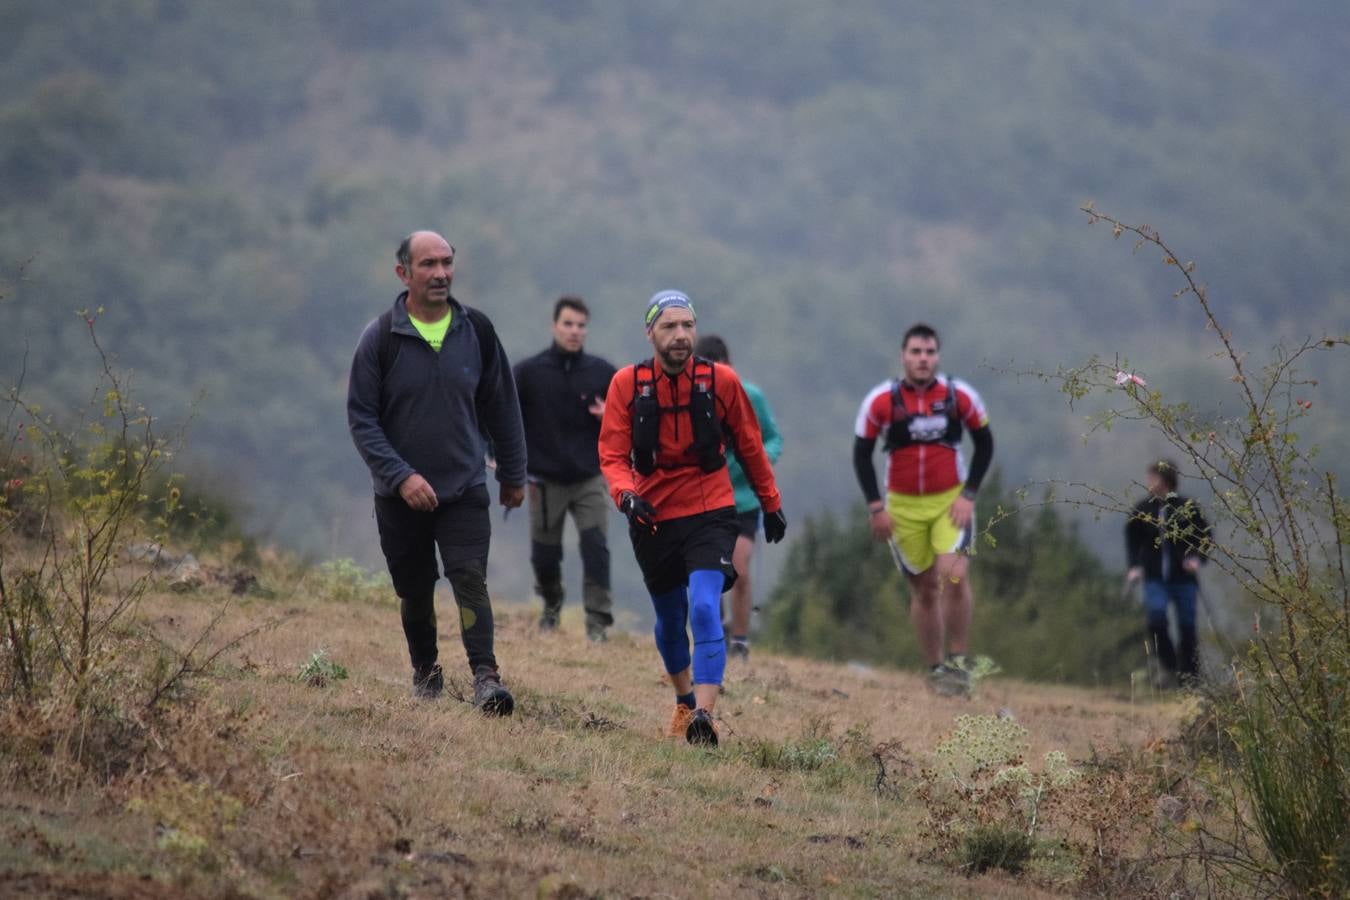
{"points": [[684, 545]]}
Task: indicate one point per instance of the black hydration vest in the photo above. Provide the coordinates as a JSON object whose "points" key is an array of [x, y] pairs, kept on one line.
{"points": [[906, 429], [702, 408]]}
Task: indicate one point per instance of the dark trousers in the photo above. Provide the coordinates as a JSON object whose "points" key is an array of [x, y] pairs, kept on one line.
{"points": [[588, 502], [461, 530], [1183, 660]]}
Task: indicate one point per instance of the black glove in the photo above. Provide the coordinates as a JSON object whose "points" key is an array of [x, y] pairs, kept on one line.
{"points": [[640, 513], [775, 526]]}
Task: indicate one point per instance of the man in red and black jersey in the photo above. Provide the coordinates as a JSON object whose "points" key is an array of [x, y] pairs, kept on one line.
{"points": [[668, 425], [928, 515]]}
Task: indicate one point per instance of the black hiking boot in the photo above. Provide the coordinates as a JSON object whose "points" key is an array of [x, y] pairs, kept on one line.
{"points": [[428, 682], [702, 730], [490, 695]]}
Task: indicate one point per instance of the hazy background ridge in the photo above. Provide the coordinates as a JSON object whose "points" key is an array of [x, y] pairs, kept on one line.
{"points": [[230, 180]]}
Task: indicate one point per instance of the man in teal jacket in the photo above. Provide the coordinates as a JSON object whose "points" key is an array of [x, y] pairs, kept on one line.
{"points": [[714, 348]]}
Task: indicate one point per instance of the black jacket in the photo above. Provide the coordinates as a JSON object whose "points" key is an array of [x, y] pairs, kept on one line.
{"points": [[1161, 532], [427, 413], [561, 436]]}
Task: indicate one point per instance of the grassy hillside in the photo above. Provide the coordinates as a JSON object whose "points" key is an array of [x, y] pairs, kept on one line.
{"points": [[259, 784]]}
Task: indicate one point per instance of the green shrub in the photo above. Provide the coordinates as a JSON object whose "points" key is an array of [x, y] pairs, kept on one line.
{"points": [[995, 847], [320, 671], [82, 492], [1293, 756], [345, 581], [77, 493], [1282, 531], [986, 807], [792, 756]]}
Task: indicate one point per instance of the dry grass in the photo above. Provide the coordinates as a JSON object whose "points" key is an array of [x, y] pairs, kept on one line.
{"points": [[269, 787]]}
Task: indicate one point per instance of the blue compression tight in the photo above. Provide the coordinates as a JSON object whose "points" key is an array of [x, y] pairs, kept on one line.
{"points": [[705, 620], [701, 606], [672, 640]]}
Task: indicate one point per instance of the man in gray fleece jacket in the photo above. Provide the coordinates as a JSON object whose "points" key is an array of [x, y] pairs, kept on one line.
{"points": [[429, 384]]}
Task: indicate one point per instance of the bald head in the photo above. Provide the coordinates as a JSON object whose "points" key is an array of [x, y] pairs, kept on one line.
{"points": [[404, 254], [426, 266]]}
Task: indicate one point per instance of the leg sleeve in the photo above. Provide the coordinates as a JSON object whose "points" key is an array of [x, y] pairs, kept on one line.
{"points": [[705, 620], [672, 637]]}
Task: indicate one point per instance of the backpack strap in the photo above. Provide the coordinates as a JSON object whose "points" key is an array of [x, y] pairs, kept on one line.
{"points": [[387, 350], [487, 352], [487, 335], [897, 430], [703, 416], [953, 433], [646, 418]]}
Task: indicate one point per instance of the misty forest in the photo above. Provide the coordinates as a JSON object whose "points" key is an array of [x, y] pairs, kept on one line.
{"points": [[1128, 222], [227, 183]]}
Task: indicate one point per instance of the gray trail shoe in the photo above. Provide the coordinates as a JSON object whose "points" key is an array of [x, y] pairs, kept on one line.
{"points": [[947, 680], [738, 650], [428, 682], [490, 695]]}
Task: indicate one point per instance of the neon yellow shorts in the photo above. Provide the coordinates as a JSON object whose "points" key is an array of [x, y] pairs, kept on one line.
{"points": [[922, 529]]}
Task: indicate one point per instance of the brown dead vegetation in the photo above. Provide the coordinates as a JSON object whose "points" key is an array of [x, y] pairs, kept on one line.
{"points": [[256, 784]]}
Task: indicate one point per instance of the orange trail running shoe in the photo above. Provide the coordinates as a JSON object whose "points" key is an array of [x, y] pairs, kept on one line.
{"points": [[679, 721]]}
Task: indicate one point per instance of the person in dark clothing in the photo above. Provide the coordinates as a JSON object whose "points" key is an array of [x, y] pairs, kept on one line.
{"points": [[429, 385], [562, 400], [1166, 540]]}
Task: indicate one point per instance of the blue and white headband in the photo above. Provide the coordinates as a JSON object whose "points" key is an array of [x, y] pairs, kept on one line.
{"points": [[664, 300]]}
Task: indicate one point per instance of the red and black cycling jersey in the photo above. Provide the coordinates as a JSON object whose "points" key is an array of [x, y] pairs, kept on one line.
{"points": [[926, 460]]}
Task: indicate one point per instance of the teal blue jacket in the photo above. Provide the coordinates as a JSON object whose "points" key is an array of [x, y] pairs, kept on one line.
{"points": [[773, 448]]}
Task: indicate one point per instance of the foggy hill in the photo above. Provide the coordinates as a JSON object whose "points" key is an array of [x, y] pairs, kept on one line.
{"points": [[230, 181]]}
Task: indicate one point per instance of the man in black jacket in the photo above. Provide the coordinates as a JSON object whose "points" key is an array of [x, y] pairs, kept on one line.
{"points": [[1166, 539], [562, 399], [429, 381]]}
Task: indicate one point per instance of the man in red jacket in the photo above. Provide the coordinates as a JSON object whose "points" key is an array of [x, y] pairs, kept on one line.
{"points": [[663, 455]]}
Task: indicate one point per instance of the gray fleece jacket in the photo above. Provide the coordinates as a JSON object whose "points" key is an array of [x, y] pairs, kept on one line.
{"points": [[427, 414]]}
